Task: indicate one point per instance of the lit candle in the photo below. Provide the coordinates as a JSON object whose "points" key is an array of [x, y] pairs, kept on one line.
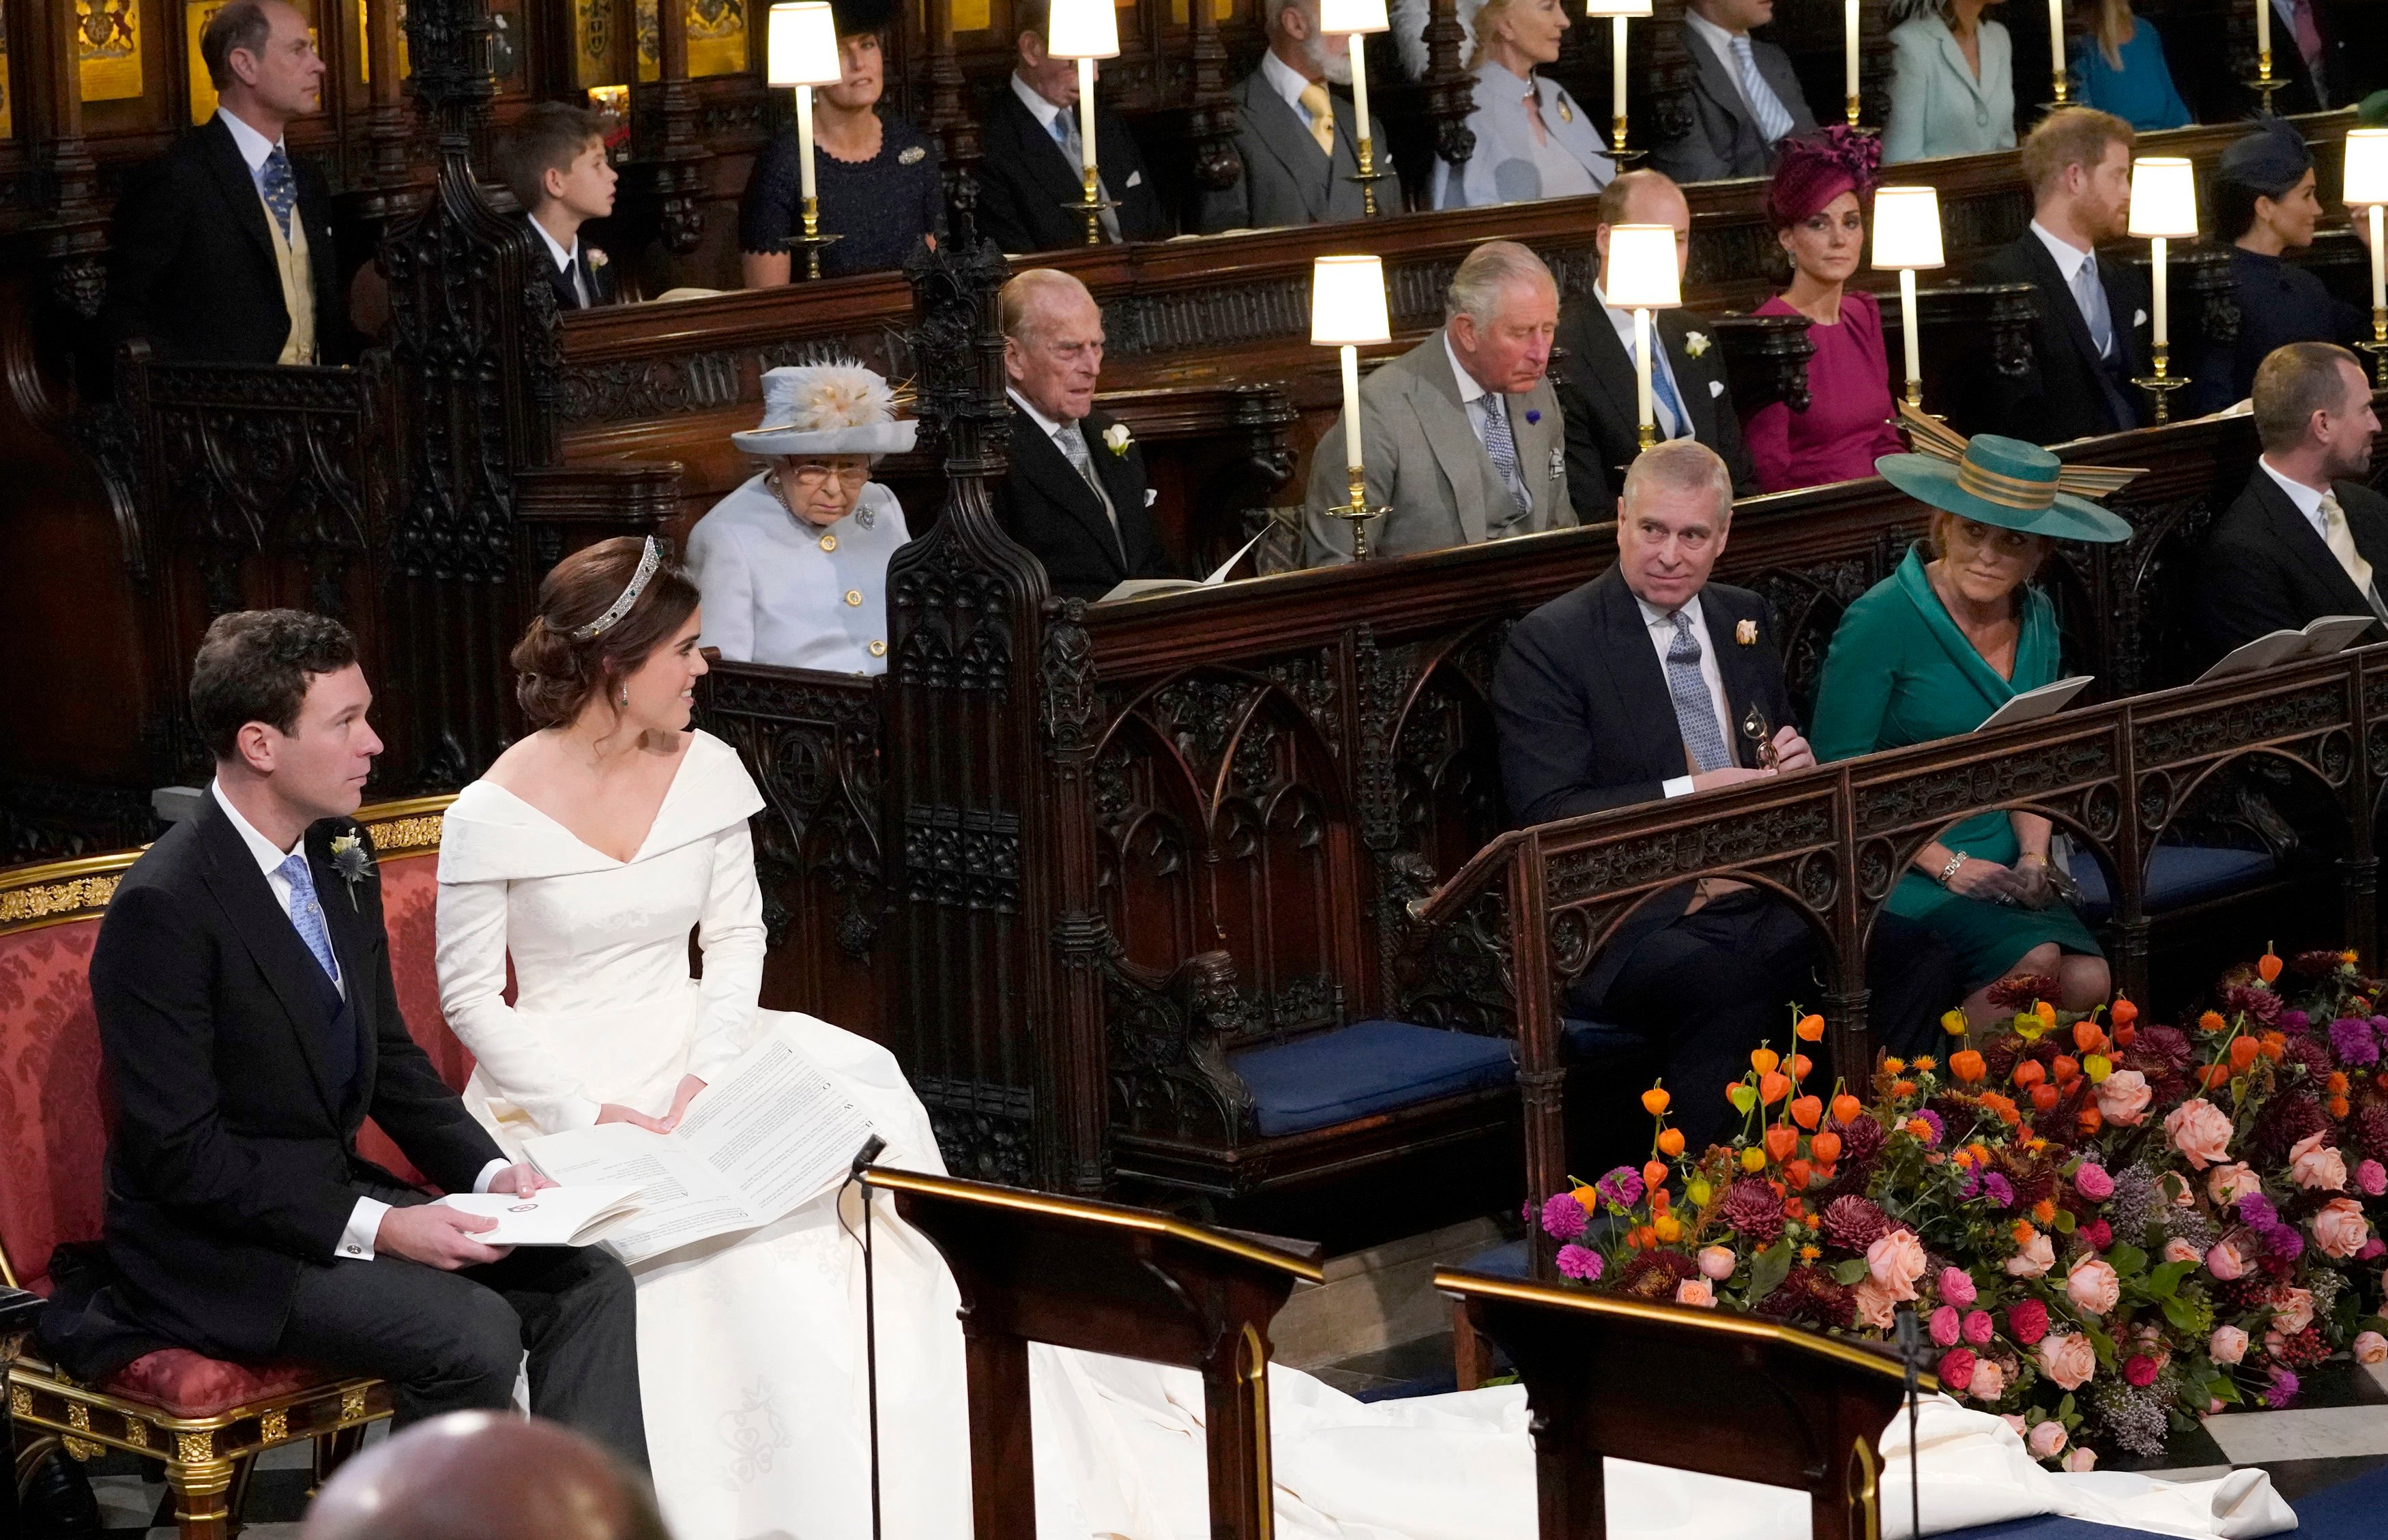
{"points": [[2264, 32], [1850, 46], [803, 138], [1617, 81], [1359, 88], [2156, 249], [1642, 368], [1087, 114], [1909, 334], [1352, 458], [2056, 43], [2378, 262]]}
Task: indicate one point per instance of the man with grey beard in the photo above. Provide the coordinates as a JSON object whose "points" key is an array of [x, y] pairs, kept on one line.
{"points": [[1298, 142]]}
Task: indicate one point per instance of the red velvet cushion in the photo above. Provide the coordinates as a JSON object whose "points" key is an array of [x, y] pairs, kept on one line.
{"points": [[52, 1123], [183, 1383], [410, 894]]}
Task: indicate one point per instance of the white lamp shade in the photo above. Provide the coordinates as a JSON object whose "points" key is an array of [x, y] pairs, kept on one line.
{"points": [[801, 47], [1907, 228], [1352, 16], [1083, 29], [2163, 197], [1642, 272], [1347, 302], [1617, 7], [2366, 166]]}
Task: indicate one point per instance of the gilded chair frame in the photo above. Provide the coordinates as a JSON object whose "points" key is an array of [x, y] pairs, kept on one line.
{"points": [[207, 1460]]}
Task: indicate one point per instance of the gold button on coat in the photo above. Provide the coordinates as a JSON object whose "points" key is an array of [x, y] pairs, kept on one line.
{"points": [[854, 596], [879, 649], [829, 542]]}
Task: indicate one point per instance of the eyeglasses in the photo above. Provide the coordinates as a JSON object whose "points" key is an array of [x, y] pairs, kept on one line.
{"points": [[813, 473]]}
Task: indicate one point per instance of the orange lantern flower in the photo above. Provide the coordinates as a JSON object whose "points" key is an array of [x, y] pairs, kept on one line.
{"points": [[1655, 1101], [2087, 1037], [1825, 1147], [2091, 1119], [1801, 1065], [1845, 1109], [1810, 1029], [2212, 1076], [2065, 1068], [1798, 1173], [1764, 1059], [1782, 1142], [1966, 1065], [2267, 967], [2029, 1073], [1807, 1111], [2044, 1097], [2242, 1055], [1671, 1142], [2045, 1012], [1773, 1087], [2122, 1012], [1654, 1174], [2126, 1036]]}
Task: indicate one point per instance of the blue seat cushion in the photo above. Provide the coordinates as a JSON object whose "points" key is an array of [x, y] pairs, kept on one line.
{"points": [[1504, 1261], [1581, 1039], [1366, 1068], [2179, 875]]}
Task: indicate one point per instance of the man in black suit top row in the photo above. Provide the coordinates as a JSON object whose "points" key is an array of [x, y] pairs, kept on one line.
{"points": [[1033, 164], [2307, 538], [2091, 336], [1639, 685], [223, 247], [555, 164]]}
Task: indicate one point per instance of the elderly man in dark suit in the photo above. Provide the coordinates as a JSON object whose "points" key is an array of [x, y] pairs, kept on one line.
{"points": [[2307, 538], [223, 247], [2091, 337], [1745, 97], [1298, 141], [1033, 155], [1075, 494], [1641, 684], [1689, 397]]}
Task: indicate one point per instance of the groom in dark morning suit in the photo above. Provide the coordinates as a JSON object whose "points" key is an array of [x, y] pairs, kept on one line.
{"points": [[245, 1007], [1636, 686]]}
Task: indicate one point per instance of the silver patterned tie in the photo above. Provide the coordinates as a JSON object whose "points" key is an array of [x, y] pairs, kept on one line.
{"points": [[1695, 709], [1501, 448]]}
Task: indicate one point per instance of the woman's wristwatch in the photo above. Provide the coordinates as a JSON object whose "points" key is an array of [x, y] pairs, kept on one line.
{"points": [[1955, 861]]}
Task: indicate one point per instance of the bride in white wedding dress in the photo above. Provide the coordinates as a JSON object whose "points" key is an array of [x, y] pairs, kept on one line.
{"points": [[585, 858]]}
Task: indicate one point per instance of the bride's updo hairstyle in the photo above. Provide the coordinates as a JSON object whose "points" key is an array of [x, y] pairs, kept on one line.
{"points": [[558, 667]]}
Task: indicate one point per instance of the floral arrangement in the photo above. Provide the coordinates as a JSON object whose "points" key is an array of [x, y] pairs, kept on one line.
{"points": [[2106, 1227]]}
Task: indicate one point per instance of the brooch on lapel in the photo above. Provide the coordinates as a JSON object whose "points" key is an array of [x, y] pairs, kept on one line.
{"points": [[1116, 438], [1695, 343], [1567, 113], [912, 157], [1745, 632], [352, 861]]}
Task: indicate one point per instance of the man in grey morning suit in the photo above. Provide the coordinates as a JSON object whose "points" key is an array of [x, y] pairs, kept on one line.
{"points": [[1297, 139], [1744, 97], [1461, 435]]}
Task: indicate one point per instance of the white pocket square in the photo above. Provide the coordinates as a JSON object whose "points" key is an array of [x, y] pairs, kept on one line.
{"points": [[1150, 497], [1134, 179], [2138, 318], [1716, 389]]}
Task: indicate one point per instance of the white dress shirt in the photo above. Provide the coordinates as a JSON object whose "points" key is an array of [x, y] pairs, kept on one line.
{"points": [[1621, 321], [1038, 108], [1054, 428], [2307, 499], [567, 259], [364, 1220], [2068, 259], [1661, 625], [254, 147], [1287, 82]]}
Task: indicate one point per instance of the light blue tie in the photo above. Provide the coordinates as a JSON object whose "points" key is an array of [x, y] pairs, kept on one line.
{"points": [[1694, 707], [2090, 294], [1773, 122], [281, 192], [1662, 386], [306, 914], [1501, 448], [1064, 129]]}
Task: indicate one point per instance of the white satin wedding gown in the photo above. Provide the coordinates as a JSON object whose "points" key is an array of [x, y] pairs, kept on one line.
{"points": [[750, 1347]]}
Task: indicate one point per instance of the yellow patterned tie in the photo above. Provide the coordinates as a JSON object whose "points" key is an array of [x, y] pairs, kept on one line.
{"points": [[2341, 541], [1322, 117]]}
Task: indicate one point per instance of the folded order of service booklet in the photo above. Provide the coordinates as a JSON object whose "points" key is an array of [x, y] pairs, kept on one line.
{"points": [[770, 1135]]}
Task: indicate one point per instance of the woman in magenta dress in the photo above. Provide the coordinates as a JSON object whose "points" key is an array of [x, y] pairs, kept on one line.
{"points": [[1816, 204]]}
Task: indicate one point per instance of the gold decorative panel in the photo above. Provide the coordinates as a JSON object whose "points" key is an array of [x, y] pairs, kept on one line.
{"points": [[1220, 10], [195, 1448], [592, 42], [717, 37], [7, 115], [651, 42], [972, 16], [107, 40], [274, 1426], [364, 42]]}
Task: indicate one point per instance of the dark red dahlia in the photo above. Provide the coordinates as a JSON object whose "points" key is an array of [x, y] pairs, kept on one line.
{"points": [[2315, 964], [2370, 1130], [2312, 1052], [2258, 1004], [1653, 1275], [2159, 1049], [1751, 1208], [2290, 1117], [2018, 992], [1861, 1140], [1853, 1223]]}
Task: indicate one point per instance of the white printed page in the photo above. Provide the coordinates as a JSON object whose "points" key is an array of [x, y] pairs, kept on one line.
{"points": [[775, 1128], [682, 1197]]}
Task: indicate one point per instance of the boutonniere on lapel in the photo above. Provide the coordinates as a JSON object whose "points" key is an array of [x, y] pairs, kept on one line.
{"points": [[1695, 343], [1116, 438], [596, 258], [1745, 632], [354, 862]]}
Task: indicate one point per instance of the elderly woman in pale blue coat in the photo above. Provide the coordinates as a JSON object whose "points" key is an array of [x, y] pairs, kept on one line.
{"points": [[1952, 82], [791, 567], [1533, 140]]}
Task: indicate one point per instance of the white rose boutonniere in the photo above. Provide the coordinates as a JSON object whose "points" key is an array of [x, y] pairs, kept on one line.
{"points": [[1745, 632], [596, 258], [1116, 438], [352, 861], [1695, 343]]}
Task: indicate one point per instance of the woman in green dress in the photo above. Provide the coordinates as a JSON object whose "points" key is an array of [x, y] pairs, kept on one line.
{"points": [[1929, 652]]}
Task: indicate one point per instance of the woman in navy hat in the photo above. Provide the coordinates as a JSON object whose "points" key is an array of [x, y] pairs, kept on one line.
{"points": [[1817, 206], [875, 175], [1931, 652], [2264, 203]]}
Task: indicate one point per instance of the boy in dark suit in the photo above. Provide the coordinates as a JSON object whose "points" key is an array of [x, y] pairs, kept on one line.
{"points": [[250, 1025], [1033, 164], [555, 162], [223, 247], [1636, 686]]}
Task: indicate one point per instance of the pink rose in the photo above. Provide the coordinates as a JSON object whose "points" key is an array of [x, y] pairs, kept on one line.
{"points": [[2082, 1459], [2068, 1359], [2012, 1419], [2198, 1129], [1875, 1305], [2292, 1310], [1956, 1369], [2092, 1182], [2372, 1250], [2046, 1440], [1895, 1262], [2037, 1256], [2372, 1179], [1695, 1290], [2224, 1261], [1977, 1328], [2339, 1228], [1990, 1382], [2227, 1347], [2123, 1098], [2311, 1165], [1717, 1262], [1944, 1326], [2092, 1286], [2227, 1184], [1957, 1287], [2178, 1250], [2371, 1347]]}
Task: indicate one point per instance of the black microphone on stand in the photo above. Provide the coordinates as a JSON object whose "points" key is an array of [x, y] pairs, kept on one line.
{"points": [[872, 1147], [1911, 1351]]}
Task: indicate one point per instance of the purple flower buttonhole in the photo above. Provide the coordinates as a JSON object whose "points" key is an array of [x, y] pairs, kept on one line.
{"points": [[1533, 416]]}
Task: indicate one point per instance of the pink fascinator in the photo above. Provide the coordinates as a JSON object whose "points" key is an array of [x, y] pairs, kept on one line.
{"points": [[1817, 168]]}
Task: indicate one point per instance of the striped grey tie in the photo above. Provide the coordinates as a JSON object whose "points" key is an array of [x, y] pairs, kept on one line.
{"points": [[1502, 447], [1695, 709]]}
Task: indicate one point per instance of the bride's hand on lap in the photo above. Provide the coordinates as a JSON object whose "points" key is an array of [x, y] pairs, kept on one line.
{"points": [[614, 1112], [436, 1237], [689, 1085], [522, 1180]]}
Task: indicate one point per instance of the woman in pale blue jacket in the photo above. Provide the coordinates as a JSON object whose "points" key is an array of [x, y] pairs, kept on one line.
{"points": [[1952, 82]]}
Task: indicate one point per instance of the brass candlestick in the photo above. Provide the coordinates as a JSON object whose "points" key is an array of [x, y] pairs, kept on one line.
{"points": [[1368, 176], [2162, 384], [2264, 81], [1644, 435], [2378, 346], [812, 240], [1356, 513], [1851, 109], [1092, 205]]}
